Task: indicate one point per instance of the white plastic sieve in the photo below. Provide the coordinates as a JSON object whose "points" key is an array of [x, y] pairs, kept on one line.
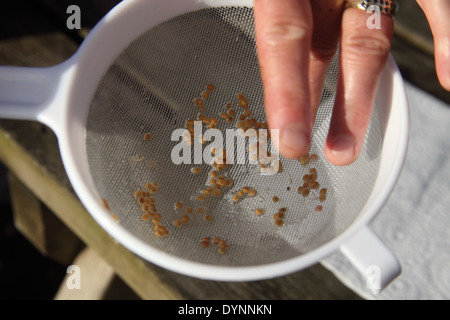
{"points": [[139, 71]]}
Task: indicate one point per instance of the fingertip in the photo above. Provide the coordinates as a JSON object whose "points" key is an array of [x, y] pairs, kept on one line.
{"points": [[292, 141], [341, 150], [445, 81], [443, 62]]}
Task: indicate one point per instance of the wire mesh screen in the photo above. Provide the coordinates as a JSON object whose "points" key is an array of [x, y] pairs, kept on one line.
{"points": [[154, 88]]}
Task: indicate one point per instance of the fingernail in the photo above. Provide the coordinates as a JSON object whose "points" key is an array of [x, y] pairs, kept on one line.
{"points": [[294, 140], [343, 147]]}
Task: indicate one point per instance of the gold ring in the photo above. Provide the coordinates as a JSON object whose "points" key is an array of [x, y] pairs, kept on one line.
{"points": [[387, 7]]}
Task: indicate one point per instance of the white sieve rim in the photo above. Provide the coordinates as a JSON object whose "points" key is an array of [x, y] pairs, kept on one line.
{"points": [[272, 270]]}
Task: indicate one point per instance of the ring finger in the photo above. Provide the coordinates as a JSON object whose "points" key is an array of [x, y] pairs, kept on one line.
{"points": [[363, 54]]}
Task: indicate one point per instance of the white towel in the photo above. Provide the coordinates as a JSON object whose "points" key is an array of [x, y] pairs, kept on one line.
{"points": [[415, 222]]}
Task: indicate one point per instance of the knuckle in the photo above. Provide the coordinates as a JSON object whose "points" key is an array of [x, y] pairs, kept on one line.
{"points": [[282, 33], [323, 51], [376, 45]]}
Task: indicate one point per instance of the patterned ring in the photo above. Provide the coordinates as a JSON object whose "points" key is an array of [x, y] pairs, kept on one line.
{"points": [[387, 7]]}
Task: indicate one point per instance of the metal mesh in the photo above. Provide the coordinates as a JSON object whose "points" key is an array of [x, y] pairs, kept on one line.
{"points": [[151, 87]]}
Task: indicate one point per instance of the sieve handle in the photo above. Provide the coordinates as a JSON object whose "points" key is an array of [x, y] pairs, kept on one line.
{"points": [[372, 258], [28, 93]]}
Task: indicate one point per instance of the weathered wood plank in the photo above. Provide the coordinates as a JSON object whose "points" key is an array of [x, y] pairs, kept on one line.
{"points": [[41, 227], [27, 38], [27, 213], [92, 279], [67, 207]]}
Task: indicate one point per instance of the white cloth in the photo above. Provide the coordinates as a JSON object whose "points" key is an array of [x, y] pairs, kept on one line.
{"points": [[415, 222]]}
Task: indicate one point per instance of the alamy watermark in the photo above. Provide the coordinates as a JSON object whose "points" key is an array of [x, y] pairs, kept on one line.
{"points": [[373, 273], [74, 20], [224, 151], [73, 281], [374, 21]]}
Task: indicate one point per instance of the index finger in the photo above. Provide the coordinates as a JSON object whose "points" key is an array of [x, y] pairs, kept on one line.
{"points": [[437, 13], [283, 38]]}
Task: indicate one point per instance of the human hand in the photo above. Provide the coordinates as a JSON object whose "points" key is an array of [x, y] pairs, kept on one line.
{"points": [[296, 41]]}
